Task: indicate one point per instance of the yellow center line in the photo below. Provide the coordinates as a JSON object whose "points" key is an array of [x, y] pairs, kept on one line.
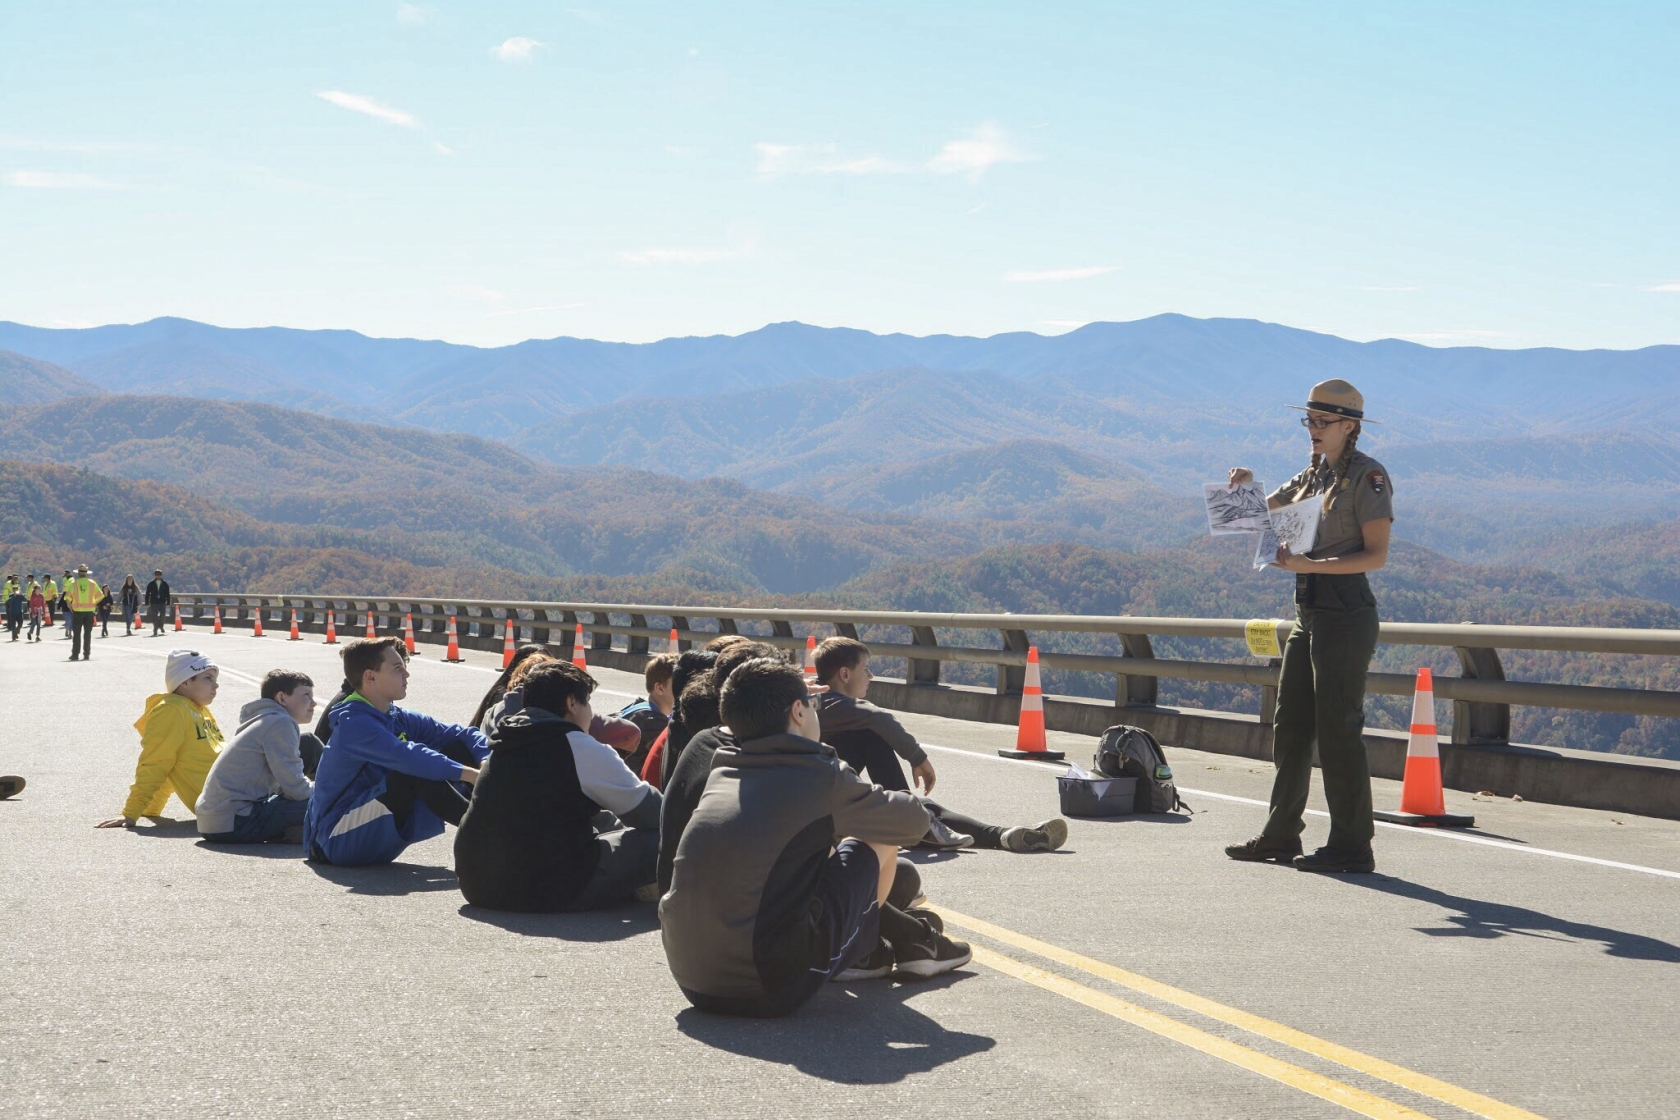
{"points": [[1422, 1084], [1326, 1088]]}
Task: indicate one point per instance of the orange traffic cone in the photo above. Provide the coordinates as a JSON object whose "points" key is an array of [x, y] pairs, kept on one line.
{"points": [[453, 653], [332, 630], [296, 637], [370, 633], [1029, 735], [178, 626], [810, 659], [578, 657], [408, 632], [216, 615], [1421, 799], [256, 624], [137, 620], [507, 644], [673, 649]]}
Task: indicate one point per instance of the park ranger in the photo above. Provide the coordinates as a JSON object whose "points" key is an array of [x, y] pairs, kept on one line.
{"points": [[1321, 687]]}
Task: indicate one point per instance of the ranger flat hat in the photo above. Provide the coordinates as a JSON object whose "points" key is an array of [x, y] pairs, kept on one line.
{"points": [[1338, 397]]}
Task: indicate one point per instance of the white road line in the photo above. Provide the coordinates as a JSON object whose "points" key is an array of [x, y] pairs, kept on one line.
{"points": [[1436, 833], [244, 678]]}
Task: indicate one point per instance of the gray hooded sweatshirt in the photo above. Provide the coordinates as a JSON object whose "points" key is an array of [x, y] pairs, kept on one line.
{"points": [[260, 760]]}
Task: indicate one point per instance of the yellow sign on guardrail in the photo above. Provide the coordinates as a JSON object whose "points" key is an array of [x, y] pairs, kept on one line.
{"points": [[1262, 637]]}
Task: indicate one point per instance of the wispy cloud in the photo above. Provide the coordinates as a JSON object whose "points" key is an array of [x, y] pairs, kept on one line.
{"points": [[1672, 287], [1046, 275], [414, 14], [58, 181], [533, 310], [1385, 288], [519, 48], [819, 159], [972, 155], [367, 106], [680, 256]]}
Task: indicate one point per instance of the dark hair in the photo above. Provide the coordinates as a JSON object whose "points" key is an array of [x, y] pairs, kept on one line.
{"points": [[690, 664], [737, 655], [756, 697], [365, 655], [550, 684], [498, 688], [659, 670], [697, 708], [284, 680], [724, 641], [835, 654]]}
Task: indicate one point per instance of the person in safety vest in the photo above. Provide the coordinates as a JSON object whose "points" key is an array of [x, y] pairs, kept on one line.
{"points": [[81, 597], [49, 592]]}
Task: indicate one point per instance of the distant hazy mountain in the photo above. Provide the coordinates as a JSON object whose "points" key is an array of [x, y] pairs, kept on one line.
{"points": [[1234, 369], [31, 381]]}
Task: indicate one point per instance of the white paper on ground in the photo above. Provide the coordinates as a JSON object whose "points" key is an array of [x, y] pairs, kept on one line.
{"points": [[1294, 525], [1075, 770], [1234, 509]]}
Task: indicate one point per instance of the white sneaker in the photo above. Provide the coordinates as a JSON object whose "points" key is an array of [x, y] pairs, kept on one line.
{"points": [[943, 836]]}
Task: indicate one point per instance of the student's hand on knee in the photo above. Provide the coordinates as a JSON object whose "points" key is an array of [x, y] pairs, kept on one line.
{"points": [[923, 776], [469, 775], [115, 822]]}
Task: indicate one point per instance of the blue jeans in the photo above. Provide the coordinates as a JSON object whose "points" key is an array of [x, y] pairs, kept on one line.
{"points": [[267, 820]]}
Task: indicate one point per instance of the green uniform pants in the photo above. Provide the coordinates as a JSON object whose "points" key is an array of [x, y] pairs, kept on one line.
{"points": [[1321, 694]]}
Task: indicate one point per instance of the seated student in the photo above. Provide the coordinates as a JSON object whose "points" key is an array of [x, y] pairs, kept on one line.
{"points": [[256, 791], [499, 687], [178, 739], [781, 875], [871, 739], [690, 664], [651, 714], [528, 840], [388, 777]]}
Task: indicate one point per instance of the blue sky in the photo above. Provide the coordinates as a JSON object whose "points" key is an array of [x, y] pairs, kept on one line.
{"points": [[1486, 174]]}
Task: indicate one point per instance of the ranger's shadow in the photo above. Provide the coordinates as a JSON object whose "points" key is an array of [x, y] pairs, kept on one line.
{"points": [[854, 1034], [1478, 918]]}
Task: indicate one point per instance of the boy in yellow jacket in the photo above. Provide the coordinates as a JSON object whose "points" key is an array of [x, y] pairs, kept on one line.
{"points": [[179, 739]]}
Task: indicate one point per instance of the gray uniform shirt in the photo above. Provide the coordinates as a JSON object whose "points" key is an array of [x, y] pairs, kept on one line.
{"points": [[1367, 494]]}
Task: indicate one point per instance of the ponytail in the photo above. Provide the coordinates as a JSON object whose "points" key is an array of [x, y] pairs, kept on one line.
{"points": [[1339, 480]]}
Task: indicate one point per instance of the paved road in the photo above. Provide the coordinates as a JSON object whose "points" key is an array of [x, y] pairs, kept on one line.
{"points": [[1138, 973]]}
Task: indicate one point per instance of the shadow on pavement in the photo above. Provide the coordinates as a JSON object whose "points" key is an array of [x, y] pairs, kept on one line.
{"points": [[388, 878], [274, 850], [855, 1034], [588, 925], [167, 828], [1479, 918]]}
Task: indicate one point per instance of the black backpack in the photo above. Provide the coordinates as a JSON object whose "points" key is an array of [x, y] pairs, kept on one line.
{"points": [[1125, 751]]}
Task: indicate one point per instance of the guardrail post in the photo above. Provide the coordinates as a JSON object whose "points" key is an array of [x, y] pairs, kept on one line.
{"points": [[1130, 691], [1479, 722], [781, 628], [1012, 679], [846, 630], [600, 639], [680, 623], [638, 642], [727, 626], [923, 671]]}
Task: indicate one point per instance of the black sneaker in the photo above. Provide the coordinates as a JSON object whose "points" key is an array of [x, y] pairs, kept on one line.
{"points": [[1329, 860], [934, 921], [1262, 850], [11, 785], [1045, 836], [922, 959], [878, 965]]}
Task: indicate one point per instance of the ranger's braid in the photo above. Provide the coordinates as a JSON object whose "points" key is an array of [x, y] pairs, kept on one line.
{"points": [[1338, 481]]}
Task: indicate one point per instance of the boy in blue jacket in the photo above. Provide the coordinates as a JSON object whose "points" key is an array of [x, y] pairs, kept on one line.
{"points": [[388, 777]]}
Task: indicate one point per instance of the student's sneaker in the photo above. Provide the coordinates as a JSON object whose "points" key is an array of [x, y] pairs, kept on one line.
{"points": [[1045, 836], [922, 959], [11, 785], [942, 835], [878, 965], [933, 920]]}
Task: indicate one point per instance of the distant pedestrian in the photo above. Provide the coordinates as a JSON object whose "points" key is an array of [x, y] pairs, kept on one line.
{"points": [[37, 612], [49, 592], [106, 602], [63, 607], [129, 600], [179, 739], [157, 601], [17, 605], [1321, 686], [82, 596]]}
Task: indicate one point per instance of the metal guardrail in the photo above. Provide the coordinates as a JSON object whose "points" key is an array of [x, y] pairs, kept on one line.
{"points": [[1482, 697]]}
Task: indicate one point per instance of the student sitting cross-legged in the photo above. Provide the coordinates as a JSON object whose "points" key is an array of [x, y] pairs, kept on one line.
{"points": [[388, 777], [872, 740], [528, 840], [782, 872], [256, 791]]}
